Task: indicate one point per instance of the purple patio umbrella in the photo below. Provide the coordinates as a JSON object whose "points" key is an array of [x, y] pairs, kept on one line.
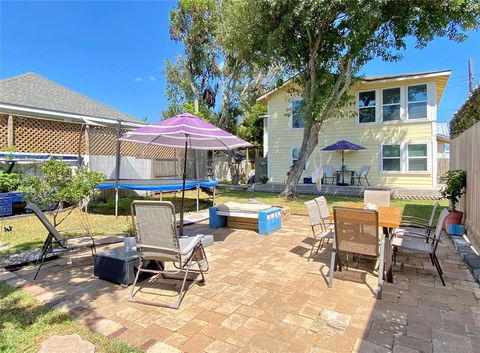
{"points": [[343, 145], [185, 130]]}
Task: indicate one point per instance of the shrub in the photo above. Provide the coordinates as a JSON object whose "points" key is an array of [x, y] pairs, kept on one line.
{"points": [[455, 182], [263, 179], [9, 181]]}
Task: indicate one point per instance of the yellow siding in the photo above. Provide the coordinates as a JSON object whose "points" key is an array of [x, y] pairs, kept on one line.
{"points": [[282, 138]]}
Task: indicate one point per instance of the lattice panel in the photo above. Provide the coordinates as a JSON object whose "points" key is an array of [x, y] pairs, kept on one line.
{"points": [[3, 131], [102, 142], [46, 136]]}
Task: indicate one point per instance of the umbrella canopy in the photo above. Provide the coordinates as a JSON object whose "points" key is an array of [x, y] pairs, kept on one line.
{"points": [[185, 128], [185, 131]]}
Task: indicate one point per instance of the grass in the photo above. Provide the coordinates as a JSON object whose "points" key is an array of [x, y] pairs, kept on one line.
{"points": [[25, 324], [28, 233]]}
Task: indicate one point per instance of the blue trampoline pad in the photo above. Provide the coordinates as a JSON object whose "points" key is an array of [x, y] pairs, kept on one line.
{"points": [[156, 184]]}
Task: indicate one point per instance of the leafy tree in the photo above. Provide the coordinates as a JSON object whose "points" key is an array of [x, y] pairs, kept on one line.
{"points": [[237, 81], [9, 181], [323, 43], [59, 184]]}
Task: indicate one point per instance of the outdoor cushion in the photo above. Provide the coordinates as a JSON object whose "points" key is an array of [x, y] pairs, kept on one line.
{"points": [[242, 207], [412, 244]]}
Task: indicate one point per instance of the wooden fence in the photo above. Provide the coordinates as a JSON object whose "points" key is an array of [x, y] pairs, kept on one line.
{"points": [[465, 154]]}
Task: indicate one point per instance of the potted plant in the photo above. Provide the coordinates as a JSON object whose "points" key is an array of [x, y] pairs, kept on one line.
{"points": [[455, 182], [264, 179]]}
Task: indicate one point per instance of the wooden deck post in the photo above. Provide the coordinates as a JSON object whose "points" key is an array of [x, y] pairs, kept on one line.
{"points": [[10, 132]]}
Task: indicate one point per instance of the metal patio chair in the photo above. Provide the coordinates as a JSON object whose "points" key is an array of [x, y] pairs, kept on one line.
{"points": [[320, 233], [377, 197], [420, 226], [324, 213], [404, 239], [356, 231], [157, 240], [328, 174], [54, 236], [363, 174]]}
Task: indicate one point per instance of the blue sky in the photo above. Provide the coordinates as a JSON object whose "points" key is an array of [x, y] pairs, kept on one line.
{"points": [[115, 51]]}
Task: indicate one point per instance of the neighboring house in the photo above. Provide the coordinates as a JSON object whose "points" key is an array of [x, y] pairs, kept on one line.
{"points": [[39, 118], [395, 120]]}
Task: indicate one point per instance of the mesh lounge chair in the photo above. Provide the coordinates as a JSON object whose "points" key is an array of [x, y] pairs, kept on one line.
{"points": [[363, 174], [420, 226], [157, 240], [321, 233], [324, 212], [356, 231], [377, 197], [328, 174], [70, 243], [403, 239]]}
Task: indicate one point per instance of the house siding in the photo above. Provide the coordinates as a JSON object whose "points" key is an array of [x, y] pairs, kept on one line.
{"points": [[282, 138]]}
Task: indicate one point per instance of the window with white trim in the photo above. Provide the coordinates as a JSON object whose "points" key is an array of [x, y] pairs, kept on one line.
{"points": [[391, 158], [297, 114], [417, 155], [391, 104], [417, 102], [296, 155], [366, 106]]}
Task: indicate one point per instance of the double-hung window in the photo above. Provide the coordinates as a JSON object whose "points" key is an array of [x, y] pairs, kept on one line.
{"points": [[417, 102], [366, 107], [417, 157], [391, 104], [391, 158], [296, 155], [297, 114]]}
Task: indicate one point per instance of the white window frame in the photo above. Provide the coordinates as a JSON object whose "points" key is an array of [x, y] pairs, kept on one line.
{"points": [[427, 157], [376, 106], [291, 157], [407, 102], [400, 103], [399, 157], [291, 115]]}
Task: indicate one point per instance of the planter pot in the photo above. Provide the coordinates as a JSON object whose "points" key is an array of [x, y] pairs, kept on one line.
{"points": [[129, 244], [454, 217]]}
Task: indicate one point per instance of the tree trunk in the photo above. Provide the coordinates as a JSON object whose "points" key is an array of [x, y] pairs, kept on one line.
{"points": [[234, 168], [309, 142]]}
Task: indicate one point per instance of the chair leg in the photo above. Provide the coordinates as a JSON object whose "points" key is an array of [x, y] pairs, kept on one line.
{"points": [[439, 269], [320, 245], [381, 267], [45, 248], [368, 184], [431, 259], [131, 295], [332, 267]]}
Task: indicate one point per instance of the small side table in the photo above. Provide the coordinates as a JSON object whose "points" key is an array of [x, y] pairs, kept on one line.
{"points": [[116, 266]]}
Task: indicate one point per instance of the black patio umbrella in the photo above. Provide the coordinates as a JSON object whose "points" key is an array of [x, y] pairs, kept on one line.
{"points": [[343, 145]]}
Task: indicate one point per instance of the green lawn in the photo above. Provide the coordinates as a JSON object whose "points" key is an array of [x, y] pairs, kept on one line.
{"points": [[28, 233], [25, 324]]}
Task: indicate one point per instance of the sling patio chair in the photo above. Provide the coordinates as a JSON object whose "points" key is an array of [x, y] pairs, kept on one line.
{"points": [[376, 197], [69, 243], [328, 174], [157, 240], [356, 231], [362, 174], [324, 213], [419, 226], [320, 233], [404, 239]]}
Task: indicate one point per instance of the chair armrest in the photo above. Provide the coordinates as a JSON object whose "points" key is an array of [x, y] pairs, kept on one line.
{"points": [[416, 225], [170, 251], [416, 235], [414, 219]]}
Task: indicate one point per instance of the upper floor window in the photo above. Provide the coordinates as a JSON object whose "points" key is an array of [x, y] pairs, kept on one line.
{"points": [[391, 158], [417, 157], [366, 107], [391, 104], [297, 114], [417, 102]]}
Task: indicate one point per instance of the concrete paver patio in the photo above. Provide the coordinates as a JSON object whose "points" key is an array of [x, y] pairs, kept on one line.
{"points": [[262, 295]]}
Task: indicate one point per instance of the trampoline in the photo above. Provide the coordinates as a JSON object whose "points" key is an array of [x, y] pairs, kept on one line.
{"points": [[161, 185]]}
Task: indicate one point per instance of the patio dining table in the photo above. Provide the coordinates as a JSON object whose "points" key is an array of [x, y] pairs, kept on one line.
{"points": [[389, 217]]}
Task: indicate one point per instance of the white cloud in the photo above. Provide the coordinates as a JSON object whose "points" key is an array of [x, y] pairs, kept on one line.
{"points": [[152, 78], [149, 78], [138, 79]]}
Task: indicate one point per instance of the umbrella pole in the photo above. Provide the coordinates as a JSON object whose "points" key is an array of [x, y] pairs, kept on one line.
{"points": [[343, 169], [184, 177]]}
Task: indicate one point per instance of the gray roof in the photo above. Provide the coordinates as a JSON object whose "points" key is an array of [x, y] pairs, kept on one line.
{"points": [[407, 75], [31, 90]]}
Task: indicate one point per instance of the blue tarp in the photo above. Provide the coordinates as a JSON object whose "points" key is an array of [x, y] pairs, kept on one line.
{"points": [[157, 185]]}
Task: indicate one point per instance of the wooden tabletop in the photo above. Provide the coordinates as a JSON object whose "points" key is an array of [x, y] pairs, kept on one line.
{"points": [[389, 217]]}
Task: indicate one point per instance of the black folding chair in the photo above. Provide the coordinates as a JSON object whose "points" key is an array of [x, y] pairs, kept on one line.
{"points": [[68, 244]]}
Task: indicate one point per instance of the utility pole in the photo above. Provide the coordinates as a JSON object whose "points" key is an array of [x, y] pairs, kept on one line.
{"points": [[470, 76]]}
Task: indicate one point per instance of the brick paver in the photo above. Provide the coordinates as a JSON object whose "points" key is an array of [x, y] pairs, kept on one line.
{"points": [[262, 295]]}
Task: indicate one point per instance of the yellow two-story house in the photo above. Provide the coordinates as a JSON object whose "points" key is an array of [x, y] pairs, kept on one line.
{"points": [[395, 120]]}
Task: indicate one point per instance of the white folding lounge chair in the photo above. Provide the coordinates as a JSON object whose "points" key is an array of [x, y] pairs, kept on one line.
{"points": [[319, 234], [356, 231], [377, 197], [324, 212], [157, 240]]}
